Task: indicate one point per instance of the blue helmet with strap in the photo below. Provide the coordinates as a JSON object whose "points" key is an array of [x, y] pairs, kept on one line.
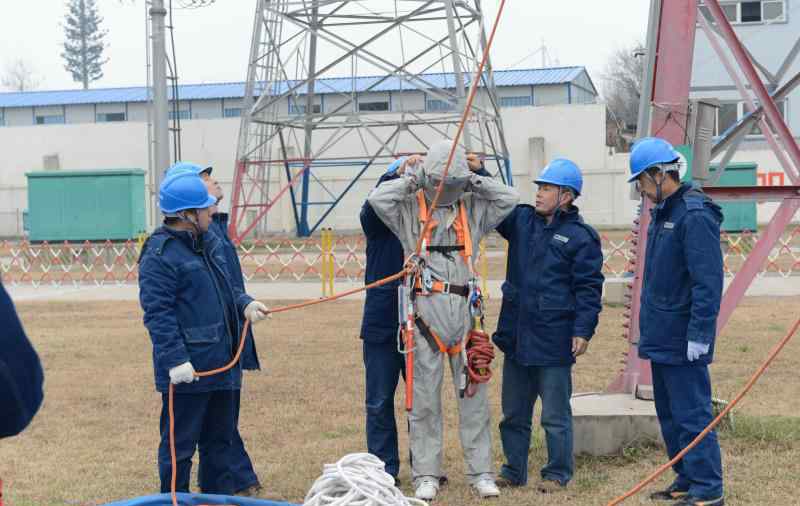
{"points": [[562, 172], [648, 152], [182, 191], [181, 167]]}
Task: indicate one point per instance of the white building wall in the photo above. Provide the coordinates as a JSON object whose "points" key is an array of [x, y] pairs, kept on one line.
{"points": [[82, 113], [206, 109], [550, 94]]}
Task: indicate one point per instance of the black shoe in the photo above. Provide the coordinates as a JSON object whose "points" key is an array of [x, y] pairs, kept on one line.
{"points": [[694, 501], [671, 493], [503, 482], [397, 482]]}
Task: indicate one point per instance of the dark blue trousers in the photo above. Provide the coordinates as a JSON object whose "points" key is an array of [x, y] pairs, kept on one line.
{"points": [[244, 476], [206, 420], [683, 404], [521, 386], [384, 365]]}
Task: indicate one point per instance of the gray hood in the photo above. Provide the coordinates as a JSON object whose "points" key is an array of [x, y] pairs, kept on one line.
{"points": [[458, 176]]}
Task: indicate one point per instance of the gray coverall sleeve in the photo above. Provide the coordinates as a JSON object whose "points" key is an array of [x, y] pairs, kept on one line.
{"points": [[393, 203], [492, 201]]}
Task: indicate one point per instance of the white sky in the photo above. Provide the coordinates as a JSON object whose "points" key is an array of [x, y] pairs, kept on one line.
{"points": [[213, 42]]}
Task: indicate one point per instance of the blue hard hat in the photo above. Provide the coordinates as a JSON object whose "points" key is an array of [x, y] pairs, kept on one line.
{"points": [[182, 191], [648, 152], [180, 167], [562, 172]]}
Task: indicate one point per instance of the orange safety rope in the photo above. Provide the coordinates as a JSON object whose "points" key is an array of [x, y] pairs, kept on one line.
{"points": [[406, 270], [661, 470]]}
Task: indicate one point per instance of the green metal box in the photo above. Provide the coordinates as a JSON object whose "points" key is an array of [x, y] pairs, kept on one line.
{"points": [[742, 215], [91, 205]]}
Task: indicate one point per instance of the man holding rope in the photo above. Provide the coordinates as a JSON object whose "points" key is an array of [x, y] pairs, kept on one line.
{"points": [[681, 294], [469, 207], [192, 311]]}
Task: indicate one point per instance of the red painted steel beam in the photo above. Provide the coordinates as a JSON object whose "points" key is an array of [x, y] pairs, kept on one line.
{"points": [[670, 98], [764, 98], [755, 260], [759, 193]]}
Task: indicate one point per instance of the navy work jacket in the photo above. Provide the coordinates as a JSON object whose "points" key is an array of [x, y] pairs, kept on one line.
{"points": [[682, 284], [191, 308], [553, 286]]}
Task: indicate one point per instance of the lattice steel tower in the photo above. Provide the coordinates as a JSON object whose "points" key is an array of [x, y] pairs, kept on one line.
{"points": [[307, 128]]}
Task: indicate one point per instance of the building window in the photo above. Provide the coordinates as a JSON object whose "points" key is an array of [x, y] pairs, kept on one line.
{"points": [[232, 112], [2, 118], [434, 104], [729, 113], [296, 109], [105, 117], [520, 101], [373, 106], [181, 115], [748, 11], [50, 119]]}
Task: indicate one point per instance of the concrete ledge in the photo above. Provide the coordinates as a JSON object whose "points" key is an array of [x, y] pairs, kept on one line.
{"points": [[604, 424]]}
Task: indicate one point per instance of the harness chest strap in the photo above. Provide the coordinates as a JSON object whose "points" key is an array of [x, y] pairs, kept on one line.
{"points": [[460, 226]]}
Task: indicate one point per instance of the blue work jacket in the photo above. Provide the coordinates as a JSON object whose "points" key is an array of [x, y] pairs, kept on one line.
{"points": [[21, 376], [219, 226], [553, 286], [191, 308], [384, 258], [682, 284]]}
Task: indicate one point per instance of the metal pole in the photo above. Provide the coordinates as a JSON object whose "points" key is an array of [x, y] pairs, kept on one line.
{"points": [[643, 121], [302, 227], [159, 104], [457, 74]]}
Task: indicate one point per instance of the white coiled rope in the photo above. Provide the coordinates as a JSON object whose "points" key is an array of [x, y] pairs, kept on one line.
{"points": [[358, 479]]}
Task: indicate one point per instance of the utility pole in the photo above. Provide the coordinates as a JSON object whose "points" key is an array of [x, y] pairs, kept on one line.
{"points": [[159, 105]]}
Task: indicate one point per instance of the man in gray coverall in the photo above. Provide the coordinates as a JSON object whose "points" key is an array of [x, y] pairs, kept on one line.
{"points": [[445, 312]]}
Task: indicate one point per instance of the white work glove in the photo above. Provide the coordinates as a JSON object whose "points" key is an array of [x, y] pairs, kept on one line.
{"points": [[183, 373], [256, 311], [695, 349]]}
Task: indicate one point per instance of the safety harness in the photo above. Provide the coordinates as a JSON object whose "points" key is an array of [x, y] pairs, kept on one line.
{"points": [[476, 348]]}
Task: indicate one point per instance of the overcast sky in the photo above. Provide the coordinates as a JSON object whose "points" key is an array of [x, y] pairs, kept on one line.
{"points": [[213, 42]]}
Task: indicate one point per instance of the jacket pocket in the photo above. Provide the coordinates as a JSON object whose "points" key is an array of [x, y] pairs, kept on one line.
{"points": [[506, 335], [207, 334]]}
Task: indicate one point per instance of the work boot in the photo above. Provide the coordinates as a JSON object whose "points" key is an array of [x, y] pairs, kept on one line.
{"points": [[549, 486], [257, 491], [671, 493], [427, 488], [694, 501], [485, 487], [503, 482]]}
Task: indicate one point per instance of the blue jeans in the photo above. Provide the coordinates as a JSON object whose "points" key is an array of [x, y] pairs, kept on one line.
{"points": [[384, 365], [521, 386], [206, 420], [683, 404]]}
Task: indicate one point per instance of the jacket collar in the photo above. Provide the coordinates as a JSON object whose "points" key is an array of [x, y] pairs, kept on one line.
{"points": [[189, 239], [668, 203], [563, 216], [221, 219]]}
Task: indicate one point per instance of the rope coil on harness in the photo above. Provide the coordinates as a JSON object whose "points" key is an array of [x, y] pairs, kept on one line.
{"points": [[358, 479]]}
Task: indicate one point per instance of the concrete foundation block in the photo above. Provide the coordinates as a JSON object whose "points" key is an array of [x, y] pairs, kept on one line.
{"points": [[604, 424], [614, 290]]}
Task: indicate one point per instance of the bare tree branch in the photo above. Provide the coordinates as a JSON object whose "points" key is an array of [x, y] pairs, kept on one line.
{"points": [[19, 76]]}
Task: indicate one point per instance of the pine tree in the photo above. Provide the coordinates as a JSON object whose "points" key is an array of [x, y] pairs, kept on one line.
{"points": [[84, 44]]}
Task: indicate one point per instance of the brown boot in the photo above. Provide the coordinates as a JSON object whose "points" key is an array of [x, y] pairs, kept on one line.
{"points": [[549, 486]]}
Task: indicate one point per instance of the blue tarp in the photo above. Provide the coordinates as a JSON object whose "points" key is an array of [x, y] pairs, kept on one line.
{"points": [[196, 500]]}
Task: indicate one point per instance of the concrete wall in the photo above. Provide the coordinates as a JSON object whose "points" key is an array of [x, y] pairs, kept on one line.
{"points": [[534, 135]]}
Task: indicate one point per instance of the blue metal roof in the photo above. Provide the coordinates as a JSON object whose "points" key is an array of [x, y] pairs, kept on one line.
{"points": [[521, 77]]}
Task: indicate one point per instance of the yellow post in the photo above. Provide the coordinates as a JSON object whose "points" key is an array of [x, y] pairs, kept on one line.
{"points": [[331, 259], [140, 242], [484, 268]]}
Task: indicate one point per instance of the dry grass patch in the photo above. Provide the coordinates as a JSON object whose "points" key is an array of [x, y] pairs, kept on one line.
{"points": [[95, 439]]}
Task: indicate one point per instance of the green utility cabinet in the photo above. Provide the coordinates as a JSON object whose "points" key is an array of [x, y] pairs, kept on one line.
{"points": [[741, 215], [91, 205]]}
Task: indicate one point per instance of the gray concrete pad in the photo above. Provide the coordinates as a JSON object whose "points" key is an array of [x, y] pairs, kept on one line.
{"points": [[604, 424]]}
